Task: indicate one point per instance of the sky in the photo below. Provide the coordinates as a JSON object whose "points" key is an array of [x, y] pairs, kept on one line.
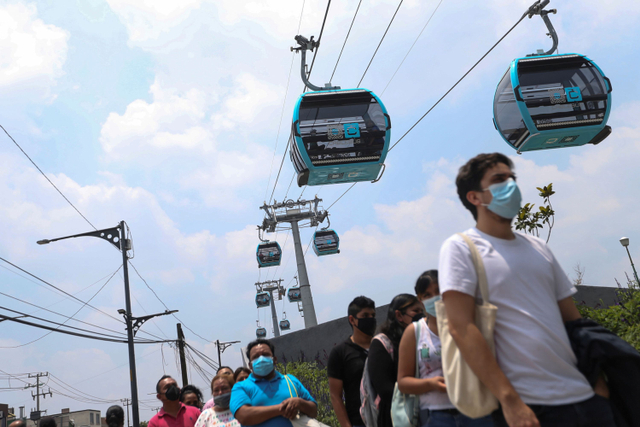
{"points": [[174, 117]]}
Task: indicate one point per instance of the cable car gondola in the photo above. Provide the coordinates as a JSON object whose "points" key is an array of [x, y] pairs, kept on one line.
{"points": [[294, 294], [263, 299], [285, 325], [326, 242], [269, 254], [552, 101], [337, 135], [261, 332]]}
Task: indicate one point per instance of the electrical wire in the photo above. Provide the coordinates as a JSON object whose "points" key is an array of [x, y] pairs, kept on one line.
{"points": [[47, 178], [60, 314], [345, 40], [73, 315], [409, 51], [319, 38], [379, 44]]}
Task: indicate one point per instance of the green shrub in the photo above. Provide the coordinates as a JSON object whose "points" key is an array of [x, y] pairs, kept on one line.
{"points": [[623, 318], [315, 379]]}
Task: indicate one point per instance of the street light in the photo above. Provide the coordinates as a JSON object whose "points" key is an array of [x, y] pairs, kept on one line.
{"points": [[117, 236], [624, 241]]}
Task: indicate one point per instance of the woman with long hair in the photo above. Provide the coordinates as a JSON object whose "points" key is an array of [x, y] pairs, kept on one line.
{"points": [[382, 364], [424, 345]]}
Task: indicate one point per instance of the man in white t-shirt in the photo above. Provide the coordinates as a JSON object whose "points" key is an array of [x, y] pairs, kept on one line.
{"points": [[533, 374]]}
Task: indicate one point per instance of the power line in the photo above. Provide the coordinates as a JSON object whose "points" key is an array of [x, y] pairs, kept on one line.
{"points": [[60, 314], [409, 51], [165, 306], [73, 315], [383, 36], [24, 322], [345, 40], [59, 290], [47, 178]]}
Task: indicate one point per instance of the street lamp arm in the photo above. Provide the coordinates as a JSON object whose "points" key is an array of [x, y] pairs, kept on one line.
{"points": [[111, 235]]}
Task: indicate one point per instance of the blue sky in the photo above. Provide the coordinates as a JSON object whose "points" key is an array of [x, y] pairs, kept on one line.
{"points": [[166, 115]]}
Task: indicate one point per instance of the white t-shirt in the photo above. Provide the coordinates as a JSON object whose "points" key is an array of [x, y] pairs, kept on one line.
{"points": [[525, 283]]}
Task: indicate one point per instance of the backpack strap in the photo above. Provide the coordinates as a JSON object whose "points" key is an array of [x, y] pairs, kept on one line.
{"points": [[291, 385], [386, 342]]}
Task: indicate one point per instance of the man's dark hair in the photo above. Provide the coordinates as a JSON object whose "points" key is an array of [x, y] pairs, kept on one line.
{"points": [[425, 280], [164, 377], [115, 416], [18, 423], [224, 367], [470, 175], [258, 342], [48, 422], [358, 304], [191, 389]]}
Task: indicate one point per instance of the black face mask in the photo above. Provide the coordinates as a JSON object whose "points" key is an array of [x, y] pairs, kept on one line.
{"points": [[418, 317], [367, 325], [172, 393]]}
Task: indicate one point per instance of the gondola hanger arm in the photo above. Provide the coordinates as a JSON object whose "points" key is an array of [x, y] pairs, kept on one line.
{"points": [[538, 9], [305, 44]]}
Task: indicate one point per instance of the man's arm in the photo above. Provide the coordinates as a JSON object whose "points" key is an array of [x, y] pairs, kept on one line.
{"points": [[335, 391], [248, 415], [460, 309]]}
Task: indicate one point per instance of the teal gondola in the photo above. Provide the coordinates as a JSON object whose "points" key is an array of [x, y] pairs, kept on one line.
{"points": [[294, 294], [285, 325], [339, 136], [261, 333], [326, 242], [552, 101], [263, 299], [268, 254]]}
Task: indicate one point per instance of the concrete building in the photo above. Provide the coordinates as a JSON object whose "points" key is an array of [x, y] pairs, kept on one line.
{"points": [[84, 418]]}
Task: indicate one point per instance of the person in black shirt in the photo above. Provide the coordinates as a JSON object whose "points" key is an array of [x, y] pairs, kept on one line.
{"points": [[346, 362]]}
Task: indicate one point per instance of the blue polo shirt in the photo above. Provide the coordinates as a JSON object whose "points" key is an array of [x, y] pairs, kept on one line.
{"points": [[261, 392]]}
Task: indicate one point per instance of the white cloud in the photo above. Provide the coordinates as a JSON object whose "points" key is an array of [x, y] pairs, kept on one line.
{"points": [[33, 53]]}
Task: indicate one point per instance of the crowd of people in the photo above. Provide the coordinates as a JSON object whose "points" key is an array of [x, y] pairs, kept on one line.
{"points": [[533, 372]]}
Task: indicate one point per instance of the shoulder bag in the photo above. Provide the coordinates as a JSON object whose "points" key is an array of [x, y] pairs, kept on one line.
{"points": [[467, 393]]}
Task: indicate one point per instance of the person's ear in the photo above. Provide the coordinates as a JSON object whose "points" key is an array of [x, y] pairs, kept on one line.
{"points": [[352, 320], [398, 315], [474, 198]]}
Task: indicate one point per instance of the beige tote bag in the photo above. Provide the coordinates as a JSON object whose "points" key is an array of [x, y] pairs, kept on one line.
{"points": [[468, 394]]}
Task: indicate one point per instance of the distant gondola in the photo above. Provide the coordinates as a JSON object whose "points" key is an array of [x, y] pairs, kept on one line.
{"points": [[339, 136], [326, 242], [263, 299], [268, 254], [261, 333], [294, 294], [285, 325]]}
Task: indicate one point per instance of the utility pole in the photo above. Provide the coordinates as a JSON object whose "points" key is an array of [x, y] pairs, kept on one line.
{"points": [[127, 403], [36, 396], [293, 212], [270, 286], [222, 346], [183, 362], [117, 236]]}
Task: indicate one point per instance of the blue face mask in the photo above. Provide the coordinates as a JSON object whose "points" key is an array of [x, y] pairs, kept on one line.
{"points": [[262, 366], [430, 305], [506, 199]]}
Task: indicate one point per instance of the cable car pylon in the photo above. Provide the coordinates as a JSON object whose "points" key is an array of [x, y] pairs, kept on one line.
{"points": [[269, 287], [293, 212]]}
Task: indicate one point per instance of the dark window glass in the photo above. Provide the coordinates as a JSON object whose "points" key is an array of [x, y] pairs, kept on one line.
{"points": [[325, 136], [506, 112], [269, 253], [548, 85], [326, 241]]}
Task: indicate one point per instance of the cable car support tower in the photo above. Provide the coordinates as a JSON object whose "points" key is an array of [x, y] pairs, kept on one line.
{"points": [[271, 286], [293, 212]]}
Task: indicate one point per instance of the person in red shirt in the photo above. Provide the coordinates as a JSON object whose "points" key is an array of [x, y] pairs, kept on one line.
{"points": [[173, 413]]}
